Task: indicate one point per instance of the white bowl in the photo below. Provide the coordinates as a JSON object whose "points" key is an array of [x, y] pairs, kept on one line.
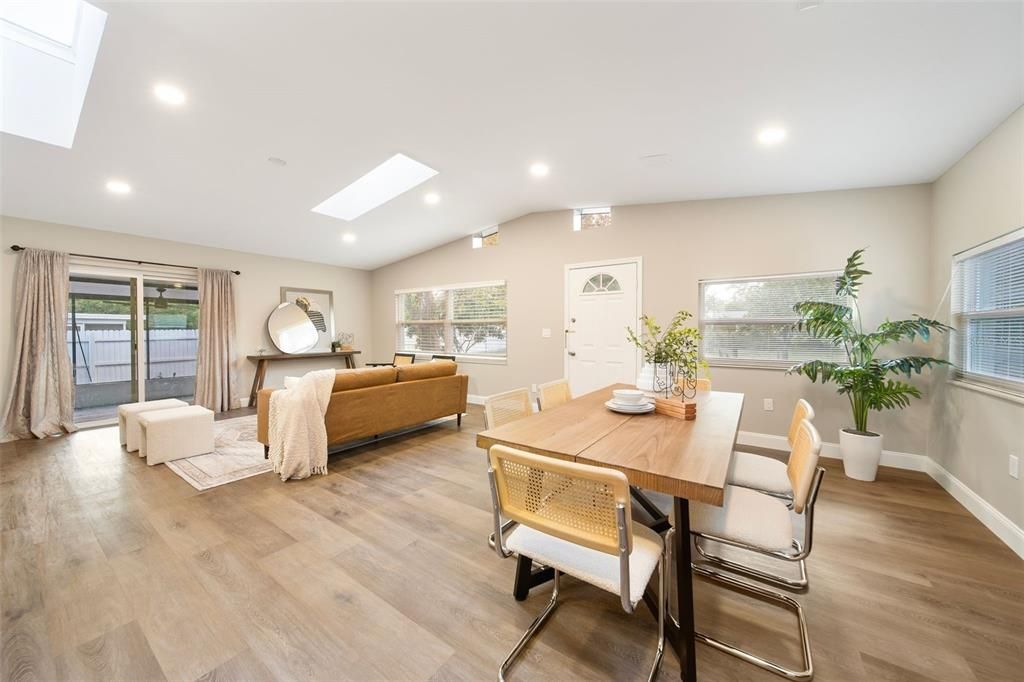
{"points": [[629, 396]]}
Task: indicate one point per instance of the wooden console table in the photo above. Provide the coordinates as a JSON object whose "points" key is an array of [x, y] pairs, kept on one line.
{"points": [[263, 360]]}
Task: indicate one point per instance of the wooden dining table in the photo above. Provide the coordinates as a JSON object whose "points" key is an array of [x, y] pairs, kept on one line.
{"points": [[688, 460]]}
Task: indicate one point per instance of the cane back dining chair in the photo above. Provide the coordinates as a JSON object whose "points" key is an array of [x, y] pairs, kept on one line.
{"points": [[502, 408], [396, 360], [553, 393], [767, 474], [576, 519], [763, 524]]}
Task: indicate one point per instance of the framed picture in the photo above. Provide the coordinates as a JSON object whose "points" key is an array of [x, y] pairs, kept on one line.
{"points": [[318, 304]]}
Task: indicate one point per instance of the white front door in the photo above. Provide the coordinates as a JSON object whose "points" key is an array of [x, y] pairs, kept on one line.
{"points": [[602, 300]]}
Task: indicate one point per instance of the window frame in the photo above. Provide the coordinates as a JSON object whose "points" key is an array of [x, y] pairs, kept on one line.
{"points": [[1010, 388], [750, 363], [471, 358]]}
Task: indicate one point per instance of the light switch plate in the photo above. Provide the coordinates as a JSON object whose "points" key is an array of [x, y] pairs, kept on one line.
{"points": [[1015, 466], [545, 333], [769, 405]]}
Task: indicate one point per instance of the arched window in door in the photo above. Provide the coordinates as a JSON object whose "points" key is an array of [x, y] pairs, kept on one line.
{"points": [[601, 284]]}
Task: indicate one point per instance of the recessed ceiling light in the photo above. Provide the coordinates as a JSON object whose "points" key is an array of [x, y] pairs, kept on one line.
{"points": [[771, 135], [118, 187], [539, 169], [395, 176], [169, 94], [348, 238], [432, 198]]}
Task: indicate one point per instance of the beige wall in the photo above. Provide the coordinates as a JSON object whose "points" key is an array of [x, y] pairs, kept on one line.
{"points": [[681, 243], [973, 434], [256, 289]]}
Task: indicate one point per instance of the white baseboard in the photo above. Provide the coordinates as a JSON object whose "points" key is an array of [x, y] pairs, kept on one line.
{"points": [[993, 519], [475, 399], [997, 522]]}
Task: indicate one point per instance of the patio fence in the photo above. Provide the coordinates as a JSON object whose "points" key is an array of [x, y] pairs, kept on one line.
{"points": [[105, 356]]}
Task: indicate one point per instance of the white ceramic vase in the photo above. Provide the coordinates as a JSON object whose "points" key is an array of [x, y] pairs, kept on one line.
{"points": [[861, 453], [645, 381], [648, 379]]}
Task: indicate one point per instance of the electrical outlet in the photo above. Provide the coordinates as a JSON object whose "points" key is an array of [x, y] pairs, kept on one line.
{"points": [[545, 333], [1015, 466], [533, 387], [769, 405]]}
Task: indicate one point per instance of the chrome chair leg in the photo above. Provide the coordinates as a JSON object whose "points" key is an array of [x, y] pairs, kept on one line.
{"points": [[535, 626], [767, 595], [797, 585], [505, 528], [662, 606], [539, 621]]}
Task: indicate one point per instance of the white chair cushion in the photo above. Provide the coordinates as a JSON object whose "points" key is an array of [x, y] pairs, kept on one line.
{"points": [[757, 471], [747, 516], [597, 568]]}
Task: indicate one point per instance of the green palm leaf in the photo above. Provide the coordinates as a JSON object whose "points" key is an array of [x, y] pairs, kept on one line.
{"points": [[863, 378]]}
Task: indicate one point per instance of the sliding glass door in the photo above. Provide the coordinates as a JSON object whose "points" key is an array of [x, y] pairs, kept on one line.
{"points": [[170, 336], [130, 337]]}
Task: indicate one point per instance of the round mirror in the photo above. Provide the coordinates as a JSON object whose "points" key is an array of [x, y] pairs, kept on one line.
{"points": [[291, 329]]}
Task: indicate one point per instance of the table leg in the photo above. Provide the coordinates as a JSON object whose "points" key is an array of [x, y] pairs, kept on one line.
{"points": [[257, 381], [528, 577], [350, 362], [521, 589], [685, 644]]}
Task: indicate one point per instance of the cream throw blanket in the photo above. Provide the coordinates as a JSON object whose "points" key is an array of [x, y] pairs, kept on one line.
{"points": [[298, 435]]}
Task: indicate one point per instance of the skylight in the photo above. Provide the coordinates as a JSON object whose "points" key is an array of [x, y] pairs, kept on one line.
{"points": [[48, 49], [385, 182]]}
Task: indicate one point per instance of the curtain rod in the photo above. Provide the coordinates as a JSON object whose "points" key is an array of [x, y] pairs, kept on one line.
{"points": [[16, 247]]}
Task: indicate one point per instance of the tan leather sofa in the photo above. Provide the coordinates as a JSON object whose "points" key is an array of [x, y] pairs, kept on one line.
{"points": [[371, 401]]}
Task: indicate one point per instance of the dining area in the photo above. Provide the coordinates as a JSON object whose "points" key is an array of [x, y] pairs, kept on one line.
{"points": [[640, 496]]}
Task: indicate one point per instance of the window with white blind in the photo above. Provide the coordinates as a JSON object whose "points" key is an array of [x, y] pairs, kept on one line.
{"points": [[467, 320], [750, 321], [987, 306]]}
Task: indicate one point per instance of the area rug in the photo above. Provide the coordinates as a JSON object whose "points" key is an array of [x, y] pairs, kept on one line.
{"points": [[236, 455]]}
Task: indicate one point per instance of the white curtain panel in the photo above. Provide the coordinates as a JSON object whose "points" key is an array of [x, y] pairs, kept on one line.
{"points": [[41, 402], [216, 380]]}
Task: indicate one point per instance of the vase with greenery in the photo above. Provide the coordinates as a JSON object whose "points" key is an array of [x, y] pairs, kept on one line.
{"points": [[671, 355], [870, 383]]}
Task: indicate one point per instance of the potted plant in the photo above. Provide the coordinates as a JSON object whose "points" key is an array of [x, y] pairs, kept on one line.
{"points": [[865, 379], [342, 341], [669, 355]]}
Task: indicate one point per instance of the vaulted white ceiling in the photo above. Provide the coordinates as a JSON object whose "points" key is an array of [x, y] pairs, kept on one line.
{"points": [[871, 94]]}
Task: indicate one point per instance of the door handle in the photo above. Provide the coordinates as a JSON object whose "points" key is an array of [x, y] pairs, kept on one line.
{"points": [[572, 353]]}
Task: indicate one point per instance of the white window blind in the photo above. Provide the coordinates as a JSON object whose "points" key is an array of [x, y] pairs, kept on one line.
{"points": [[988, 313], [751, 321], [464, 319]]}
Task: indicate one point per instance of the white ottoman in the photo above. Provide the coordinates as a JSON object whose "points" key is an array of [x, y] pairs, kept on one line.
{"points": [[126, 418], [176, 433]]}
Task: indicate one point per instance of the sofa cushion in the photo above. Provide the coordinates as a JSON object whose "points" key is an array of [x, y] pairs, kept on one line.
{"points": [[364, 377], [427, 370]]}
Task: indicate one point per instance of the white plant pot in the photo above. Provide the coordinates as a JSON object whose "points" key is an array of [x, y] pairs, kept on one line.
{"points": [[861, 453], [645, 381]]}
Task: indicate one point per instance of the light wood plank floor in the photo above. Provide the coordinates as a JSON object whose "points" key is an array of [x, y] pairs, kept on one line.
{"points": [[112, 570]]}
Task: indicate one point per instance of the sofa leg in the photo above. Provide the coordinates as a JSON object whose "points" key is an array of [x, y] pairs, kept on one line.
{"points": [[458, 419], [266, 452]]}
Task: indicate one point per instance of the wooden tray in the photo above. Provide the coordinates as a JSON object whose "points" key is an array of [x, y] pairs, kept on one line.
{"points": [[675, 408]]}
